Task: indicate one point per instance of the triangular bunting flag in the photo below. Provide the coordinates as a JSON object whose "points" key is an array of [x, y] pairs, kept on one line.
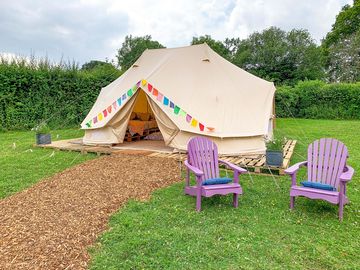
{"points": [[188, 118], [210, 128], [201, 126], [160, 97], [150, 87], [109, 109], [134, 88], [166, 101], [105, 112], [155, 92], [143, 82], [182, 112], [172, 105], [100, 116], [123, 96], [176, 109], [115, 104], [138, 84], [130, 92], [194, 122], [95, 119], [88, 124]]}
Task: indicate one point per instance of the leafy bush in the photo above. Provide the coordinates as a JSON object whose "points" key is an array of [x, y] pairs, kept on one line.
{"points": [[37, 91], [318, 100]]}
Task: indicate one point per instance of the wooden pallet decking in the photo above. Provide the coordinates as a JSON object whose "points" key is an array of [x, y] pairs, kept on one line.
{"points": [[70, 145], [253, 163]]}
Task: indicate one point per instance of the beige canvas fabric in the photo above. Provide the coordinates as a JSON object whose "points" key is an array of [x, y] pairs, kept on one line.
{"points": [[234, 106]]}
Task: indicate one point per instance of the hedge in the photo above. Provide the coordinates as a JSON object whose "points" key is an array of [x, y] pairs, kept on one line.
{"points": [[59, 96], [62, 97], [318, 100]]}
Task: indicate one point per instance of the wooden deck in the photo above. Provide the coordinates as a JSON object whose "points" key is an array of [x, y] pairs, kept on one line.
{"points": [[253, 163]]}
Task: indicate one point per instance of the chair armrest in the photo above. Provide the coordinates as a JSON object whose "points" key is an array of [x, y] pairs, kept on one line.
{"points": [[347, 174], [232, 166], [195, 170], [294, 168]]}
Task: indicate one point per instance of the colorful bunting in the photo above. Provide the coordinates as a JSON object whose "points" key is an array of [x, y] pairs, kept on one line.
{"points": [[182, 112], [100, 116], [150, 87], [109, 109], [160, 97], [194, 122], [188, 118], [176, 109], [201, 126], [166, 101]]}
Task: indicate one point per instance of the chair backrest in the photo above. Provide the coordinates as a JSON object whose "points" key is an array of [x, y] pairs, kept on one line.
{"points": [[326, 161], [203, 154]]}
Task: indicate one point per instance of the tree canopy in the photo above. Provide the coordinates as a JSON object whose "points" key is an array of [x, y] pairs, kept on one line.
{"points": [[132, 48], [283, 57], [216, 45]]}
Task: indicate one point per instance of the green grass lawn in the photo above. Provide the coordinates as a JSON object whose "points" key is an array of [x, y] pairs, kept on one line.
{"points": [[22, 165], [166, 232]]}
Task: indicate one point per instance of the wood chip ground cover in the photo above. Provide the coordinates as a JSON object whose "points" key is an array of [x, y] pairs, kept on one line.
{"points": [[52, 224]]}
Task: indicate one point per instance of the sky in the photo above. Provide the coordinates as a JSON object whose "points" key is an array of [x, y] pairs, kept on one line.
{"points": [[84, 30]]}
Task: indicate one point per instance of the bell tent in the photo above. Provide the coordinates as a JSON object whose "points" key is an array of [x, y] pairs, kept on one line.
{"points": [[188, 91]]}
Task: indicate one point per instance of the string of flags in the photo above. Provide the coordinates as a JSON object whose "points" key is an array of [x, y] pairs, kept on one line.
{"points": [[165, 101]]}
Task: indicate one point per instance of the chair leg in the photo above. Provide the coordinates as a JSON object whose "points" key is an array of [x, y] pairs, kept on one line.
{"points": [[198, 202], [341, 207], [236, 200], [292, 202]]}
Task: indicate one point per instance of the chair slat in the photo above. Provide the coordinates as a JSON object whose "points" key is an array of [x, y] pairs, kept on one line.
{"points": [[343, 157], [320, 160], [310, 161], [336, 163], [315, 160], [334, 145], [326, 160]]}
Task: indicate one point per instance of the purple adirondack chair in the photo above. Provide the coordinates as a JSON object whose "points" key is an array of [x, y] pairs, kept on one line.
{"points": [[203, 161], [326, 165]]}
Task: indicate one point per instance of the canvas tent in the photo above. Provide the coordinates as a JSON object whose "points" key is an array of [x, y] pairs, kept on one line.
{"points": [[192, 91]]}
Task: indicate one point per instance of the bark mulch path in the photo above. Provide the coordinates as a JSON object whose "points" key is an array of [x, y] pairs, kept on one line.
{"points": [[52, 224]]}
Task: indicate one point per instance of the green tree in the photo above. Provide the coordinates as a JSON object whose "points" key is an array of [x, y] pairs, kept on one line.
{"points": [[132, 48], [347, 23], [93, 64], [216, 45], [341, 46], [283, 57], [344, 59]]}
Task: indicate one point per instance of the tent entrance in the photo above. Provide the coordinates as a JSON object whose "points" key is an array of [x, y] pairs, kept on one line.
{"points": [[142, 124], [142, 132]]}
